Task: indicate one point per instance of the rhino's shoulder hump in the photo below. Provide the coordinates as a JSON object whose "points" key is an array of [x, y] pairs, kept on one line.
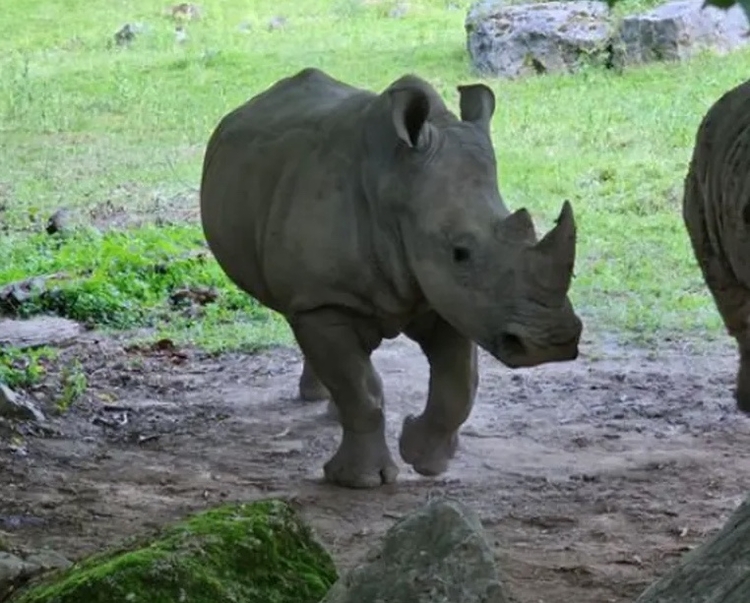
{"points": [[726, 119]]}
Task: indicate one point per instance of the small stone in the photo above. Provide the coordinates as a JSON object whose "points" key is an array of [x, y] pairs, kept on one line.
{"points": [[398, 11], [185, 12], [126, 34], [180, 35], [13, 406], [59, 222], [276, 23]]}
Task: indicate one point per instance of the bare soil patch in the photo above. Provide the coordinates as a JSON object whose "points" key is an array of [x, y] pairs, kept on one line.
{"points": [[592, 477]]}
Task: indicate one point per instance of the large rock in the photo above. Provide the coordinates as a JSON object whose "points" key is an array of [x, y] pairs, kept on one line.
{"points": [[16, 569], [678, 30], [254, 553], [439, 554], [527, 39]]}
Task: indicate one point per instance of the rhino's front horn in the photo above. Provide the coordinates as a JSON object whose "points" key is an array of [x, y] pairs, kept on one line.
{"points": [[559, 244]]}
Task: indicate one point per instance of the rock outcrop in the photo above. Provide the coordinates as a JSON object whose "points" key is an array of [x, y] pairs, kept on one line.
{"points": [[524, 39], [677, 30], [257, 552], [438, 554], [17, 569]]}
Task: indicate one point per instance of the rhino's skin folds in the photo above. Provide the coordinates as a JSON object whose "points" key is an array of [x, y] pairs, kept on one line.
{"points": [[359, 216], [716, 213]]}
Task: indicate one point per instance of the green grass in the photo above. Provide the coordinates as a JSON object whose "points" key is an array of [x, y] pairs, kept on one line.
{"points": [[121, 131]]}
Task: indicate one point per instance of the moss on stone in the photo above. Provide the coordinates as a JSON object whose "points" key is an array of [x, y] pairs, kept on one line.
{"points": [[250, 553]]}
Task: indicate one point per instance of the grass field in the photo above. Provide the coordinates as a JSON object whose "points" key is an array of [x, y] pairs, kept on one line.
{"points": [[116, 136]]}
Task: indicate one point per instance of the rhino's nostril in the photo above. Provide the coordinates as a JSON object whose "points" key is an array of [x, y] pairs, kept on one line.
{"points": [[512, 343]]}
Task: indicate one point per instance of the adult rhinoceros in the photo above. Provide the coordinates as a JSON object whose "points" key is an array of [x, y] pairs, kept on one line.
{"points": [[716, 213], [359, 216]]}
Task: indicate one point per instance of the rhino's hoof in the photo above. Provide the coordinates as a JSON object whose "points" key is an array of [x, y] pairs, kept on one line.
{"points": [[427, 449], [362, 461]]}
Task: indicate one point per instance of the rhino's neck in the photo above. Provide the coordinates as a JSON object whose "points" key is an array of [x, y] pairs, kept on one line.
{"points": [[398, 292]]}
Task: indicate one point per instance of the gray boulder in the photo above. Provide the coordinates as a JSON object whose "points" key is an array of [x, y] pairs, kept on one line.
{"points": [[438, 554], [15, 570], [527, 39], [677, 30]]}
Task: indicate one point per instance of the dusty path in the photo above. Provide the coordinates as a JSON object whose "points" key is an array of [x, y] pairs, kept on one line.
{"points": [[592, 477]]}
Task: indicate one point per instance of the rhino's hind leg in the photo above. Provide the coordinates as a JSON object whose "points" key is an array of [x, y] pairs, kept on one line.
{"points": [[338, 348], [429, 441]]}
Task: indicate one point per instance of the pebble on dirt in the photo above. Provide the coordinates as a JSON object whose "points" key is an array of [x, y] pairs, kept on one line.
{"points": [[258, 551], [438, 553]]}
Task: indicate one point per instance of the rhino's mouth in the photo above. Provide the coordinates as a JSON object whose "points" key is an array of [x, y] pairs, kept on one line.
{"points": [[516, 352]]}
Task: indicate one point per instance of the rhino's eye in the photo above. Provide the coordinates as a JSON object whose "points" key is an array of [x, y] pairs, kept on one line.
{"points": [[461, 254]]}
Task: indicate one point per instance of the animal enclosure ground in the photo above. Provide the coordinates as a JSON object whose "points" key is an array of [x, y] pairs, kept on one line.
{"points": [[592, 478]]}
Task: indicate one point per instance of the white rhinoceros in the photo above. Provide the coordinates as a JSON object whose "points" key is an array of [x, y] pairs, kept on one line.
{"points": [[359, 216]]}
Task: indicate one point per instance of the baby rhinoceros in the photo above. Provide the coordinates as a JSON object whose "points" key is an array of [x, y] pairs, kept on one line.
{"points": [[716, 212], [359, 216]]}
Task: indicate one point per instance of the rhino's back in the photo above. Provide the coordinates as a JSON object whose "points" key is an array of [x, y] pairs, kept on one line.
{"points": [[717, 208], [295, 101]]}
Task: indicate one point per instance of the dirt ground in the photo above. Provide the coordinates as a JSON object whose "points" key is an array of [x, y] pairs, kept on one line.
{"points": [[592, 477]]}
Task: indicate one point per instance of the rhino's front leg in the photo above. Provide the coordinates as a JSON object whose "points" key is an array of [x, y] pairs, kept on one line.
{"points": [[429, 441], [338, 347]]}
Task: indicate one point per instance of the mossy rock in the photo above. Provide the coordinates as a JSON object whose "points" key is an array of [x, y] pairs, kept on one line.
{"points": [[256, 552]]}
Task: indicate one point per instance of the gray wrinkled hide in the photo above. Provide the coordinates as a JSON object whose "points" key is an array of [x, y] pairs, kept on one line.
{"points": [[678, 30], [515, 41], [438, 554]]}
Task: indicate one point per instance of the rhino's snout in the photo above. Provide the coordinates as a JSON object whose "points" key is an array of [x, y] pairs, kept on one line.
{"points": [[516, 352]]}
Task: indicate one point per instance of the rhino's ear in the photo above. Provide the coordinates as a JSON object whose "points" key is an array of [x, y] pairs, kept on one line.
{"points": [[410, 108], [477, 104]]}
